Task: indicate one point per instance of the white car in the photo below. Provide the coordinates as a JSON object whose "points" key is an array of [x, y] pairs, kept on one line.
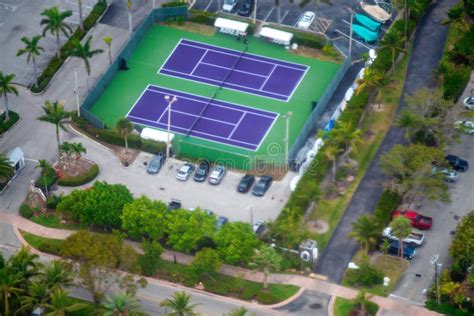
{"points": [[465, 127], [449, 175], [469, 103], [414, 239], [305, 21], [184, 172]]}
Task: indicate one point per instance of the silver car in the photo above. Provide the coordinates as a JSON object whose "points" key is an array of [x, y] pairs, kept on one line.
{"points": [[216, 175], [449, 175], [185, 171]]}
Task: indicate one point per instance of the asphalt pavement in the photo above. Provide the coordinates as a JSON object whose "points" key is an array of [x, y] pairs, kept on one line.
{"points": [[427, 51]]}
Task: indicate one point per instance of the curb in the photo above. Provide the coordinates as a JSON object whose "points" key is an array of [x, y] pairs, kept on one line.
{"points": [[332, 301], [20, 119]]}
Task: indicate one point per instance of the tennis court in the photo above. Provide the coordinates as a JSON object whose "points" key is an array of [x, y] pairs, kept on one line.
{"points": [[206, 118], [234, 69]]}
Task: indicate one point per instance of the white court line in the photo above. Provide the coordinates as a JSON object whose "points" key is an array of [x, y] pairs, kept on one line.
{"points": [[237, 125], [218, 105], [233, 69], [225, 83], [298, 84], [207, 7], [268, 15], [197, 64], [353, 39], [169, 56], [265, 82]]}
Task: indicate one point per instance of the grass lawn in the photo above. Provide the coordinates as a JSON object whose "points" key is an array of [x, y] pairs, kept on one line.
{"points": [[53, 221], [343, 307], [177, 273], [378, 124]]}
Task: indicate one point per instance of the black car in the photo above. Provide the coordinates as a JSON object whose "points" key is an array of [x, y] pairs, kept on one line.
{"points": [[246, 8], [202, 171], [246, 183], [174, 205], [262, 186], [221, 221], [457, 163]]}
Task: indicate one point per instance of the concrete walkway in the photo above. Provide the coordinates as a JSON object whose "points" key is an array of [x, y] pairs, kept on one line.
{"points": [[301, 281]]}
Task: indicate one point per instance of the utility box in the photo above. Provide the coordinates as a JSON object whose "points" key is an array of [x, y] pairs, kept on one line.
{"points": [[308, 250]]}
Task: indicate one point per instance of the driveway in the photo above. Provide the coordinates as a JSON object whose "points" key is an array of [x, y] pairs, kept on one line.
{"points": [[427, 51]]}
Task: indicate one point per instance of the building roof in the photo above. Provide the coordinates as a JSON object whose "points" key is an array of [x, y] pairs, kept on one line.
{"points": [[15, 155], [231, 24], [276, 34]]}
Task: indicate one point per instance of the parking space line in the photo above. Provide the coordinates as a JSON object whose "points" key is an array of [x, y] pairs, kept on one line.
{"points": [[284, 16], [75, 3], [72, 22], [207, 7], [268, 15], [348, 37]]}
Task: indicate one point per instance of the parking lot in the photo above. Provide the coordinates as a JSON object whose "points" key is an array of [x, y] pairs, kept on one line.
{"points": [[20, 18], [331, 20]]}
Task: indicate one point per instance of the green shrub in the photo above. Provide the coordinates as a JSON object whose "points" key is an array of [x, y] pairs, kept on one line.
{"points": [[46, 181], [53, 200], [153, 147], [309, 40], [455, 79], [202, 17], [26, 211], [173, 4], [364, 276], [69, 45], [95, 14], [6, 125], [463, 51], [180, 20], [388, 202], [80, 180]]}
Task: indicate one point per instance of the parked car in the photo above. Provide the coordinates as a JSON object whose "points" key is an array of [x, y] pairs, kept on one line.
{"points": [[258, 227], [262, 186], [409, 252], [202, 171], [449, 175], [414, 239], [155, 164], [174, 205], [417, 220], [221, 221], [216, 175], [246, 8], [464, 127], [457, 163], [185, 171], [305, 20], [246, 183], [229, 5], [469, 103]]}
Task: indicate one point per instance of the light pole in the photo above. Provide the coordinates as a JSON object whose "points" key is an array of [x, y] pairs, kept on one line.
{"points": [[76, 92], [350, 35], [437, 267], [170, 102], [251, 214], [255, 12], [287, 135]]}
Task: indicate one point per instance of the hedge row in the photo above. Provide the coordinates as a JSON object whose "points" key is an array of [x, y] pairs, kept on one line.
{"points": [[304, 38], [208, 18], [110, 136], [174, 4], [80, 180], [56, 62], [6, 125], [26, 211]]}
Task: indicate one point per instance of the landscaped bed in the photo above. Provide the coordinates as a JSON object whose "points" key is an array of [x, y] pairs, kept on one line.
{"points": [[344, 307]]}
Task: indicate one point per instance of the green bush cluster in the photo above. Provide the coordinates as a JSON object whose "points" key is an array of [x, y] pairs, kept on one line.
{"points": [[80, 180], [53, 200], [110, 136], [174, 4], [366, 275], [202, 17], [46, 180], [26, 211], [5, 125], [56, 62], [388, 202]]}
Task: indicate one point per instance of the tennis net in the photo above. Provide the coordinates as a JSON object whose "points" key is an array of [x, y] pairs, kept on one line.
{"points": [[231, 69]]}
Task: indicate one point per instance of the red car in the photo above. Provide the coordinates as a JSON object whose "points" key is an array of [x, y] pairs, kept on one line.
{"points": [[417, 220]]}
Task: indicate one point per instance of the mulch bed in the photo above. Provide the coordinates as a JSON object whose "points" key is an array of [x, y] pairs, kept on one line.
{"points": [[72, 167]]}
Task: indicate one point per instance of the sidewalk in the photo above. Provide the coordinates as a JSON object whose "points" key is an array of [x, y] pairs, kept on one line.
{"points": [[304, 282]]}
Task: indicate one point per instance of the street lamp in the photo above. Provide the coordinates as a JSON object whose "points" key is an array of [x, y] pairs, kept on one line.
{"points": [[437, 267], [287, 135], [251, 214], [76, 92], [170, 101], [350, 35]]}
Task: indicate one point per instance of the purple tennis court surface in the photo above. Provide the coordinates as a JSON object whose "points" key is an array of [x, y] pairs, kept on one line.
{"points": [[217, 66], [222, 122]]}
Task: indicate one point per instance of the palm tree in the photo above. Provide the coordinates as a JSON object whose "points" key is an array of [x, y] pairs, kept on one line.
{"points": [[372, 79], [85, 53], [179, 304], [57, 275], [66, 149], [108, 41], [266, 260], [458, 18], [361, 301], [32, 50], [401, 228], [121, 304], [37, 294], [410, 6], [10, 285], [365, 230], [26, 264], [45, 167], [55, 114], [6, 88], [348, 137], [77, 149], [238, 311], [54, 22], [124, 128], [392, 41], [409, 121], [331, 151], [61, 304], [6, 169]]}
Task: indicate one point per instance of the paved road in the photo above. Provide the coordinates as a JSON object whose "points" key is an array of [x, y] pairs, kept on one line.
{"points": [[427, 51]]}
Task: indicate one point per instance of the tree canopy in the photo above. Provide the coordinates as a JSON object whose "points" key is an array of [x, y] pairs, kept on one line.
{"points": [[236, 242]]}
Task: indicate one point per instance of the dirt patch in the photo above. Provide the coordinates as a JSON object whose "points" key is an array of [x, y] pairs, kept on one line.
{"points": [[126, 157], [318, 226], [73, 168], [313, 53], [36, 202], [194, 28]]}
